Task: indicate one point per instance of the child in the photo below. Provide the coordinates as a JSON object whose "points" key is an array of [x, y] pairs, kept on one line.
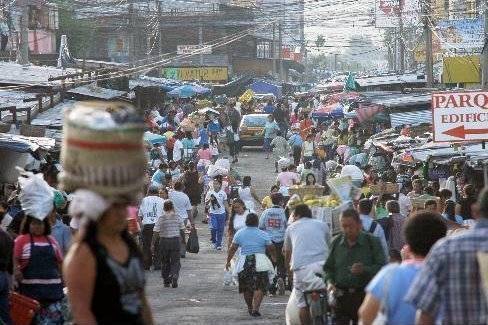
{"points": [[310, 180], [307, 169], [266, 203]]}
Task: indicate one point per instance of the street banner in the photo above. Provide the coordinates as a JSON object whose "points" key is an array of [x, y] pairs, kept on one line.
{"points": [[460, 116], [461, 33], [195, 73]]}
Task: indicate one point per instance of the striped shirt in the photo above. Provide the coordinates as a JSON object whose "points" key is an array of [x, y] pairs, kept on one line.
{"points": [[22, 248], [451, 279], [169, 225]]}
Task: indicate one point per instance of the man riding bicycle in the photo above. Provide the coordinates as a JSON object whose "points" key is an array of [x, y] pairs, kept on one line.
{"points": [[305, 256]]}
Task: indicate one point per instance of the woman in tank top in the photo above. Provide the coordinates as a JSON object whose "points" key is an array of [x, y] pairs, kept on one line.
{"points": [[247, 194], [104, 273]]}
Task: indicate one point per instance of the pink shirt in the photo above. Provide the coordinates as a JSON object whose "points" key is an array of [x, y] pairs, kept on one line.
{"points": [[205, 154], [287, 178]]}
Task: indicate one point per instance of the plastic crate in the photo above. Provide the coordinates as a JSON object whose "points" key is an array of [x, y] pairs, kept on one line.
{"points": [[22, 309]]}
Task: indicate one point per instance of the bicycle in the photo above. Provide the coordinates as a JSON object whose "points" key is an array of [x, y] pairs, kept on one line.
{"points": [[317, 302]]}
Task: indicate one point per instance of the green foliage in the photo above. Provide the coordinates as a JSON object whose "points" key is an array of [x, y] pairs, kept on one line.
{"points": [[79, 32]]}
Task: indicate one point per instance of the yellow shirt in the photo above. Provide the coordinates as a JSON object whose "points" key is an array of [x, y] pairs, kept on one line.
{"points": [[267, 203]]}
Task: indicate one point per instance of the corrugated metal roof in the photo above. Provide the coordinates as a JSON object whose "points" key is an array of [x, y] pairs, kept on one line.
{"points": [[389, 80], [411, 118], [402, 100]]}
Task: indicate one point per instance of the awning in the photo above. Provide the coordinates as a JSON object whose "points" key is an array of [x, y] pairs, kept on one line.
{"points": [[411, 118]]}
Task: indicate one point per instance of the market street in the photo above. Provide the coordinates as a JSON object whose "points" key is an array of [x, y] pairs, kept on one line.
{"points": [[201, 297]]}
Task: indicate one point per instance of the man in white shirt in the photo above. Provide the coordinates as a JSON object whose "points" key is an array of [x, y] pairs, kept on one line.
{"points": [[216, 199], [183, 208], [150, 210], [305, 256], [371, 226], [178, 150]]}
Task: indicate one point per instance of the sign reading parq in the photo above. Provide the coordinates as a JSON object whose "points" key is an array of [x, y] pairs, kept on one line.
{"points": [[460, 116]]}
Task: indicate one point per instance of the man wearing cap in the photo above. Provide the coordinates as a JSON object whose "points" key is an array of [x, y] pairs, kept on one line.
{"points": [[150, 210], [295, 143], [273, 222]]}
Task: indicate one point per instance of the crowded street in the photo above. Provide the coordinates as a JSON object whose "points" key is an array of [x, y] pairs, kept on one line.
{"points": [[202, 298], [275, 162]]}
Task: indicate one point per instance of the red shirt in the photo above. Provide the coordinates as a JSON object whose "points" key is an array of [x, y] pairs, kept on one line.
{"points": [[22, 248]]}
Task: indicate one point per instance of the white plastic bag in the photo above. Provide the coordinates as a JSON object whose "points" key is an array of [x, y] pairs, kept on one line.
{"points": [[228, 280], [223, 163], [36, 196]]}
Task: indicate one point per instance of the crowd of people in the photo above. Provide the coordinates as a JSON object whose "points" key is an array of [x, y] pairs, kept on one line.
{"points": [[93, 235]]}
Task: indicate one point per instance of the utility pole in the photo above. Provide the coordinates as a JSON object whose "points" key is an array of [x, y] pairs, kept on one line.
{"points": [[132, 47], [429, 60], [274, 51], [23, 44], [200, 40], [280, 51], [160, 32], [401, 53], [335, 61], [484, 56]]}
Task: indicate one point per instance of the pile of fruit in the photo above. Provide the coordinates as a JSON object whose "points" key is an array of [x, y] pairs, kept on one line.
{"points": [[328, 201]]}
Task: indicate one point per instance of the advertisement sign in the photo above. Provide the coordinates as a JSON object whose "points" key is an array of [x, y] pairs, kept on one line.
{"points": [[199, 73], [460, 116], [387, 13], [461, 33], [193, 49]]}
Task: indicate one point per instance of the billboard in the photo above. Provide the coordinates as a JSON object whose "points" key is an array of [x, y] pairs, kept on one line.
{"points": [[193, 49], [461, 33], [195, 73], [387, 13]]}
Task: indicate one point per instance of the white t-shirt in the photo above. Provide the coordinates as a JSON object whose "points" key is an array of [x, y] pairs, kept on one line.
{"points": [[240, 220], [177, 150], [151, 208], [221, 197], [181, 202], [6, 221], [405, 204]]}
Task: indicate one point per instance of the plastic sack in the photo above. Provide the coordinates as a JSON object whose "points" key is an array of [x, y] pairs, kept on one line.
{"points": [[215, 170], [187, 125], [36, 196], [284, 162], [223, 163], [228, 280], [192, 245]]}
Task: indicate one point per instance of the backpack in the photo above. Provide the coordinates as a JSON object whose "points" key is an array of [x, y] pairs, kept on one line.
{"points": [[386, 224]]}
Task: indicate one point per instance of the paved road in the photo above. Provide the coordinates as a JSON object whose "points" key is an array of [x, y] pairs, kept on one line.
{"points": [[201, 297]]}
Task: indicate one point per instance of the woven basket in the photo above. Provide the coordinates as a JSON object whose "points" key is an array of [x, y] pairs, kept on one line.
{"points": [[306, 190], [28, 130], [388, 188], [110, 161]]}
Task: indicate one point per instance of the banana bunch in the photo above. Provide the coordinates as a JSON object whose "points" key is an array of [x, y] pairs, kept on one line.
{"points": [[321, 201]]}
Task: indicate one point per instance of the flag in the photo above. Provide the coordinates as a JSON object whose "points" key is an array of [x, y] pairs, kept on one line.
{"points": [[350, 84]]}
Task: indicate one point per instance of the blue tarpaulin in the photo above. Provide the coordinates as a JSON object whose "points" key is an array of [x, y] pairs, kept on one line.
{"points": [[263, 87]]}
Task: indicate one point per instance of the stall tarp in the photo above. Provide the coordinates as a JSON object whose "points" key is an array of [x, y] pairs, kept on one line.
{"points": [[21, 144], [330, 110], [366, 112], [188, 91], [263, 87]]}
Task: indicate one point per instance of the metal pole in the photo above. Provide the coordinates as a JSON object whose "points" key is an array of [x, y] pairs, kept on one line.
{"points": [[23, 50], [280, 53], [484, 57], [200, 41], [160, 32], [429, 60], [273, 56], [401, 56]]}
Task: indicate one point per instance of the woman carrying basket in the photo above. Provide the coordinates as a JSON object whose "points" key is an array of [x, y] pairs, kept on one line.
{"points": [[37, 257]]}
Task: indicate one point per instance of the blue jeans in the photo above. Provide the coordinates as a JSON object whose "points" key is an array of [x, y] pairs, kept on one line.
{"points": [[4, 292], [217, 227]]}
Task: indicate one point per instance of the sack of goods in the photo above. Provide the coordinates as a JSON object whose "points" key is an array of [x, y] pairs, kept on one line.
{"points": [[187, 125], [103, 150]]}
